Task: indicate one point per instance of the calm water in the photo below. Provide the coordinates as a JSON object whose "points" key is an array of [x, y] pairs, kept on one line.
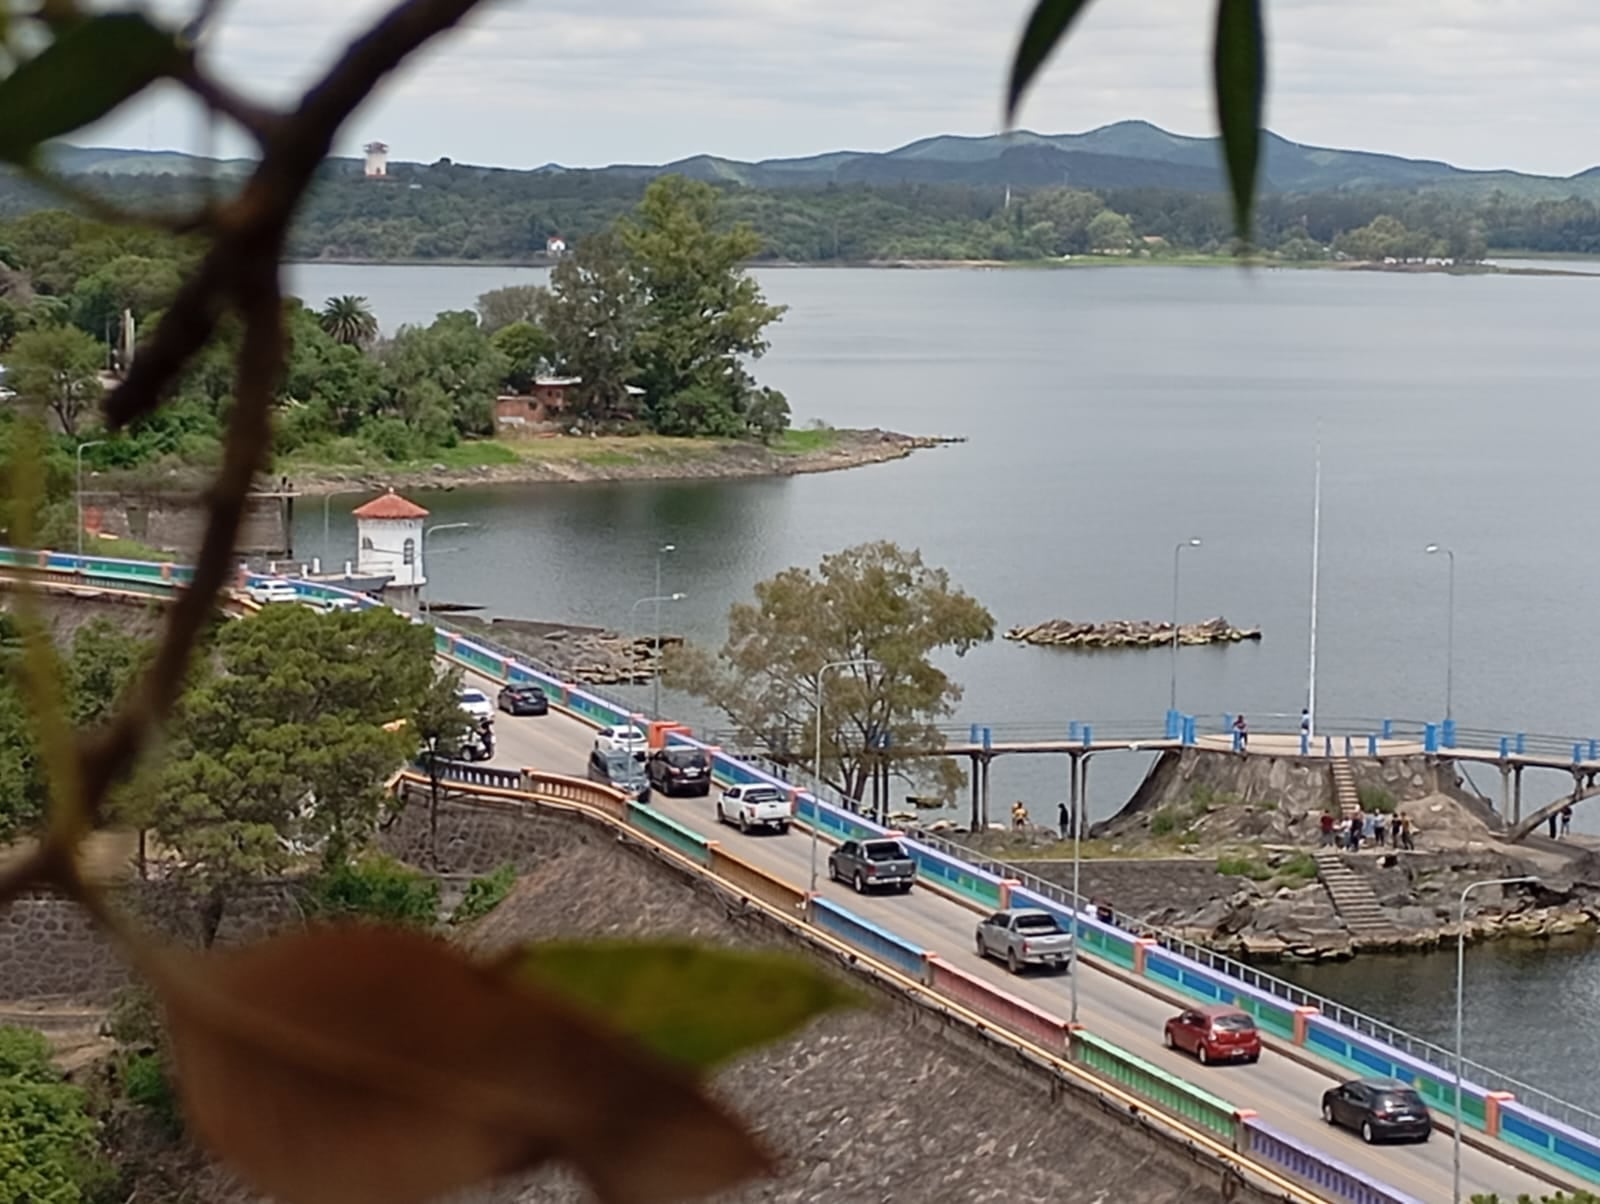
{"points": [[1111, 414]]}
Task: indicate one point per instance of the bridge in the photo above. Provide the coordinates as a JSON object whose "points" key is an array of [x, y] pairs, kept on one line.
{"points": [[1517, 1139]]}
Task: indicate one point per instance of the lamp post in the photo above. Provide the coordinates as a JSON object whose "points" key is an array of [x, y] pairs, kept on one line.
{"points": [[78, 488], [860, 662], [1433, 549], [1461, 975], [665, 549], [422, 555], [1079, 766], [655, 665], [1172, 699]]}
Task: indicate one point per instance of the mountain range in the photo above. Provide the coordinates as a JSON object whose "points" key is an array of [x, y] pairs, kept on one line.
{"points": [[1126, 154]]}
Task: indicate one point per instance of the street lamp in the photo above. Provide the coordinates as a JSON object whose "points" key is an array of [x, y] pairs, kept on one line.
{"points": [[1172, 703], [327, 538], [655, 664], [1434, 549], [422, 557], [665, 549], [1461, 974], [860, 662], [78, 491]]}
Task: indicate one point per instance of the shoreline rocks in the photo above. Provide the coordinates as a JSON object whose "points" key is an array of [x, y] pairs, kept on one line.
{"points": [[1129, 633], [585, 655]]}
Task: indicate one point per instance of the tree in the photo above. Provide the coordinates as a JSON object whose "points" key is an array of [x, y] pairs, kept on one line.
{"points": [[442, 379], [502, 307], [593, 314], [528, 351], [48, 1151], [704, 315], [104, 662], [349, 320], [874, 601], [57, 367], [1109, 231]]}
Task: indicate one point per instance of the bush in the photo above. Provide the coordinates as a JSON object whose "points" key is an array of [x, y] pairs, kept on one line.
{"points": [[1297, 869], [1376, 799], [1236, 865], [48, 1148], [1163, 823], [484, 895], [145, 1085], [377, 888]]}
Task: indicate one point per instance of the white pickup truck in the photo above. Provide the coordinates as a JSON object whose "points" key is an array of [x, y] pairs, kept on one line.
{"points": [[754, 807], [1024, 936]]}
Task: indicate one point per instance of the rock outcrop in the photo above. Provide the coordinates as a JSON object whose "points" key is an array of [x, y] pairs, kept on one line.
{"points": [[585, 655], [1129, 633]]}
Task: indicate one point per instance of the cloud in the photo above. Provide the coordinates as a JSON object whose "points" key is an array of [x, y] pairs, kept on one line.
{"points": [[1477, 82]]}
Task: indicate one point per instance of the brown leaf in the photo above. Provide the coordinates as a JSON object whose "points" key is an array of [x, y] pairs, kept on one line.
{"points": [[363, 1065]]}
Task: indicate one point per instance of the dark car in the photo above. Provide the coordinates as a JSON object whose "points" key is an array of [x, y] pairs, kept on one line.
{"points": [[679, 770], [623, 770], [521, 698], [1378, 1109], [1215, 1034]]}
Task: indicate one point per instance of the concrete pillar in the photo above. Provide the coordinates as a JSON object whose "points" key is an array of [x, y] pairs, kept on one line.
{"points": [[986, 763], [1302, 1017], [1516, 794], [1505, 789], [1072, 794], [1083, 793], [977, 817], [1491, 1110]]}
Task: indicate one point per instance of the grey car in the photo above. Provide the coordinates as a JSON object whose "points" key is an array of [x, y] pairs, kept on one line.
{"points": [[872, 865], [1024, 936]]}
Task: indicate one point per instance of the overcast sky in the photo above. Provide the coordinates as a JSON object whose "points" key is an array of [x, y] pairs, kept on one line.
{"points": [[1479, 83]]}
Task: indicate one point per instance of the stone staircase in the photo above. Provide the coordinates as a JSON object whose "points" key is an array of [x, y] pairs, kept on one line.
{"points": [[1344, 788], [1352, 898]]}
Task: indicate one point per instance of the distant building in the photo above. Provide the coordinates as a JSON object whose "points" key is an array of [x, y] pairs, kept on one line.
{"points": [[541, 408], [389, 540], [555, 246], [377, 160]]}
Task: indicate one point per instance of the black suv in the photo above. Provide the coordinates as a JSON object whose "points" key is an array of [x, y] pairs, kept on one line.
{"points": [[679, 770], [1378, 1109], [522, 698], [623, 770]]}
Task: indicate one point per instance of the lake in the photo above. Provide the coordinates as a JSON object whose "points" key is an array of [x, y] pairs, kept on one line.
{"points": [[1109, 415]]}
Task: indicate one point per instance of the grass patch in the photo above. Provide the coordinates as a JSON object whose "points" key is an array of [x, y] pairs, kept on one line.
{"points": [[1295, 870], [1164, 822], [484, 895], [605, 457], [1236, 865], [1376, 799], [475, 453], [124, 549], [804, 442]]}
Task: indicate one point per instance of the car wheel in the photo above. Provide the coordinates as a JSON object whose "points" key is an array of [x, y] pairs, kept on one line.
{"points": [[783, 829], [982, 950], [1327, 1112], [860, 884], [744, 824], [906, 889], [1366, 1132], [833, 871], [1166, 1037], [1424, 1138], [1253, 1058], [1012, 963], [1200, 1052], [721, 819]]}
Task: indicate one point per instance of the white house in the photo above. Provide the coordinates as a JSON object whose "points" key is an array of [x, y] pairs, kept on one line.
{"points": [[389, 540], [555, 246]]}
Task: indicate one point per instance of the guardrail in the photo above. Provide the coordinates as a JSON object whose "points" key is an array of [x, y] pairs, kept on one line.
{"points": [[1565, 1134]]}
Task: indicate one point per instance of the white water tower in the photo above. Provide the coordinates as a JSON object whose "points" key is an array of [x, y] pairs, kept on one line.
{"points": [[389, 540], [377, 160]]}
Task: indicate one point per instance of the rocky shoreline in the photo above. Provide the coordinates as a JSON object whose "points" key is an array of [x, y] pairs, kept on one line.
{"points": [[586, 655], [616, 459], [1129, 633]]}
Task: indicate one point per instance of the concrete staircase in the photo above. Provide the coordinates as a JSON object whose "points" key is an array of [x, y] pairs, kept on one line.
{"points": [[1344, 788], [1352, 897]]}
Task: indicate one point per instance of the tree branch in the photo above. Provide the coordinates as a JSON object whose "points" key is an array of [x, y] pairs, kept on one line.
{"points": [[261, 122]]}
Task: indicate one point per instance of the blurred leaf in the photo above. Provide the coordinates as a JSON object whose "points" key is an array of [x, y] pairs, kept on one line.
{"points": [[365, 1065], [1240, 72], [90, 69], [1046, 27], [690, 1003]]}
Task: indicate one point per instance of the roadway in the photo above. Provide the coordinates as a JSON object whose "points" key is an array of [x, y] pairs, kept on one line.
{"points": [[1282, 1091]]}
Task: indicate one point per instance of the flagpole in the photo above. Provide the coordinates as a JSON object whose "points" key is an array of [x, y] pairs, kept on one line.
{"points": [[1316, 563]]}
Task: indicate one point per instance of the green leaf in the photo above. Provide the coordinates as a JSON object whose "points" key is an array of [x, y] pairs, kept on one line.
{"points": [[80, 77], [691, 1004], [1046, 27], [1239, 65]]}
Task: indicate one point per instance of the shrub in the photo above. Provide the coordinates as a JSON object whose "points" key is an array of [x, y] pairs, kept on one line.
{"points": [[1297, 869], [145, 1085], [484, 895], [48, 1150], [1376, 798], [378, 888], [1163, 823], [1237, 865]]}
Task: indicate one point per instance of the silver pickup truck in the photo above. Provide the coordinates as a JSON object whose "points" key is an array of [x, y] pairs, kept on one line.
{"points": [[1024, 937]]}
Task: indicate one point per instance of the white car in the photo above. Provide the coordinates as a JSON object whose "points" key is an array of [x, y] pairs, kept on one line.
{"points": [[623, 737], [274, 589], [476, 704], [755, 807], [334, 606]]}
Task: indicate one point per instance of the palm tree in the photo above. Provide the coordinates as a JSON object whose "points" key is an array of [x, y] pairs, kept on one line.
{"points": [[349, 320]]}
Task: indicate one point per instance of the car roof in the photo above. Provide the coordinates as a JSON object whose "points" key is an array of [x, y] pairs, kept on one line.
{"points": [[1221, 1009], [1027, 911], [1383, 1084]]}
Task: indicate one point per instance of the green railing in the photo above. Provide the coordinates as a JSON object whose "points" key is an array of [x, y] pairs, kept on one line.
{"points": [[669, 831], [1165, 1090]]}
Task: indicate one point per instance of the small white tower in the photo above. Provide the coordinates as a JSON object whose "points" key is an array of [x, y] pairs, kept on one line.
{"points": [[377, 160], [389, 541]]}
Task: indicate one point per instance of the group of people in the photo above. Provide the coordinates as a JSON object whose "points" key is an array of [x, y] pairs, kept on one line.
{"points": [[1372, 829]]}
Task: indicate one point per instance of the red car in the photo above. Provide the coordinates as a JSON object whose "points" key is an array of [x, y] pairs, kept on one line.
{"points": [[1215, 1034]]}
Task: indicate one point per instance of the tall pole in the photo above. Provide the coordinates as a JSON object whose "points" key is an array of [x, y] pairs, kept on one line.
{"points": [[78, 488], [1172, 695], [1433, 549], [655, 705], [1461, 978], [422, 557], [1316, 565], [1077, 898], [633, 620], [816, 762]]}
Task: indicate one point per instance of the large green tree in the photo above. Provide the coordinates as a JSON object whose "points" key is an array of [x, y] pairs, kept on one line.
{"points": [[528, 349], [349, 320], [442, 379], [593, 315], [57, 367], [874, 601], [704, 316], [501, 307]]}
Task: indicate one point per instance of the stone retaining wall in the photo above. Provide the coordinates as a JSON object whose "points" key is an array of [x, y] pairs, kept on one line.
{"points": [[1142, 886]]}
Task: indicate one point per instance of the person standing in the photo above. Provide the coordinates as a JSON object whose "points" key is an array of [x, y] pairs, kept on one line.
{"points": [[1305, 722], [1405, 834], [1064, 820], [1551, 823], [1566, 821], [1354, 838], [1019, 816], [1378, 826], [1241, 732], [1327, 828]]}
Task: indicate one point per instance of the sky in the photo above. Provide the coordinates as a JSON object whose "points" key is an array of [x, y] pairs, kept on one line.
{"points": [[1478, 83]]}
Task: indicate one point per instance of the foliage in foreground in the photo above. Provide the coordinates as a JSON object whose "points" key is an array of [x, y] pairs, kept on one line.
{"points": [[48, 1150]]}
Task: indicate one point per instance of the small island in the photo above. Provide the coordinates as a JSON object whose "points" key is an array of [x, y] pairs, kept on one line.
{"points": [[1129, 633]]}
